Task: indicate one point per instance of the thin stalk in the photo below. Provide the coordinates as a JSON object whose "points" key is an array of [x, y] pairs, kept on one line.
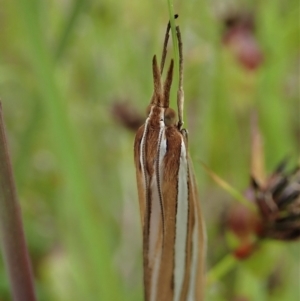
{"points": [[38, 111], [233, 192], [69, 27], [16, 257], [90, 229], [220, 269]]}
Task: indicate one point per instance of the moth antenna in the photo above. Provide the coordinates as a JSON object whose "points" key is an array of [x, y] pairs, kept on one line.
{"points": [[282, 165], [180, 92], [157, 95], [164, 52], [254, 184], [167, 85]]}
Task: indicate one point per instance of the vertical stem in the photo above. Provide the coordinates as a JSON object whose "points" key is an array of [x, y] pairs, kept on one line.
{"points": [[221, 268], [69, 26], [87, 223], [12, 237]]}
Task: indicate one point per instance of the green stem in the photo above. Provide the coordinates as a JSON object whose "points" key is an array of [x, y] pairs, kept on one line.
{"points": [[221, 269], [233, 192], [90, 229], [12, 238], [38, 112], [68, 28]]}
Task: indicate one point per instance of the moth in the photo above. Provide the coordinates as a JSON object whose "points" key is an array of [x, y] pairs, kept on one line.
{"points": [[172, 224]]}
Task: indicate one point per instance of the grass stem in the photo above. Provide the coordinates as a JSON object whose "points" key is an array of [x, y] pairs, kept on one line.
{"points": [[222, 268]]}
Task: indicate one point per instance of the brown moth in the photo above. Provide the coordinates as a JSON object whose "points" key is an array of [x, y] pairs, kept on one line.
{"points": [[173, 227]]}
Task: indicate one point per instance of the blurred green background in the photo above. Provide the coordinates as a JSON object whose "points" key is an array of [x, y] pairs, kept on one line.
{"points": [[63, 66]]}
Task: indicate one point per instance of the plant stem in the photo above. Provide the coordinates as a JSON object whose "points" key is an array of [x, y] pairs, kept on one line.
{"points": [[69, 27], [88, 226], [221, 268], [233, 192], [12, 237]]}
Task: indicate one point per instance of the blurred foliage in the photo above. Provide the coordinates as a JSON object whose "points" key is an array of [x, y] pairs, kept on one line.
{"points": [[63, 64]]}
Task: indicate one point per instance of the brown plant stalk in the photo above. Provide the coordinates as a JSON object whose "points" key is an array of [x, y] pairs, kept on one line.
{"points": [[12, 239]]}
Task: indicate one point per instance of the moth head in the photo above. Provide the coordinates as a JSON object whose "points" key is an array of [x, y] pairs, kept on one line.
{"points": [[161, 95]]}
